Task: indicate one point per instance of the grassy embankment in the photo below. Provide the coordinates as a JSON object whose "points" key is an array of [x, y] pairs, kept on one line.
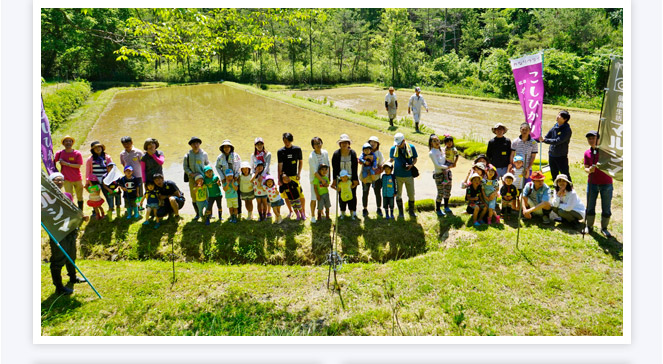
{"points": [[457, 281]]}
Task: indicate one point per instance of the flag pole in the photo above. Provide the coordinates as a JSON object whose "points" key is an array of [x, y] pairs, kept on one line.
{"points": [[70, 260]]}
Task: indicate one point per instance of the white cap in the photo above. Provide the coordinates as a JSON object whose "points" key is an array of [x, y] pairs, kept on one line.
{"points": [[398, 138], [373, 139]]}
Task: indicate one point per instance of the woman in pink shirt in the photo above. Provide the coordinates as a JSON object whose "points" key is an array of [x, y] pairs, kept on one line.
{"points": [[152, 161], [96, 165]]}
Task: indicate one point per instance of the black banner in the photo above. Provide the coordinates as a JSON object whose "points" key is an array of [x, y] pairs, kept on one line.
{"points": [[611, 143], [58, 214]]}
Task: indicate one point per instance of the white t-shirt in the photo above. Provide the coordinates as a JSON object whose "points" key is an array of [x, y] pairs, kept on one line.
{"points": [[390, 99]]}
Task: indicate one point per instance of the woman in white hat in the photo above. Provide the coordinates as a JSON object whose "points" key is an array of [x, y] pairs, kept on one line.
{"points": [[228, 159], [345, 158], [566, 203], [317, 157]]}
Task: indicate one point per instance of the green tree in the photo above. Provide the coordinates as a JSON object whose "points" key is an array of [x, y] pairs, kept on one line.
{"points": [[471, 40], [400, 49]]}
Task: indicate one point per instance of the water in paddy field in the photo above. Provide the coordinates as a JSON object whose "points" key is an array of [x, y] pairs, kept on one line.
{"points": [[217, 112], [461, 117]]}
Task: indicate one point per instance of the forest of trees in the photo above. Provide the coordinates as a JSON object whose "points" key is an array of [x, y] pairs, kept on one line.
{"points": [[444, 48]]}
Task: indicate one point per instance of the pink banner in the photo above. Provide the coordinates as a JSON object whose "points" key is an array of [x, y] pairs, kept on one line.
{"points": [[528, 74], [46, 143]]}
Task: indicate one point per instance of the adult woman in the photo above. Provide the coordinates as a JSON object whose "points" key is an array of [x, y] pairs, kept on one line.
{"points": [[443, 184], [96, 165], [377, 184], [526, 147], [318, 156], [566, 203], [152, 161], [344, 158]]}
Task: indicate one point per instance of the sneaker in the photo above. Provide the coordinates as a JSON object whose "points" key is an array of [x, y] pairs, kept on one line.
{"points": [[365, 213], [156, 226], [129, 216], [207, 221], [269, 214], [77, 279], [497, 219], [280, 220], [354, 217], [440, 213], [546, 219], [313, 220], [558, 219], [147, 222], [196, 218], [447, 210], [379, 212], [489, 221], [137, 215], [476, 224], [64, 290]]}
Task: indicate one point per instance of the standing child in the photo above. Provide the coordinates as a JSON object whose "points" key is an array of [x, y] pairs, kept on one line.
{"points": [[475, 205], [509, 194], [291, 189], [345, 189], [369, 172], [231, 187], [320, 186], [260, 191], [113, 196], [274, 197], [246, 188], [95, 201], [152, 197], [200, 192], [490, 189], [519, 173], [388, 190], [130, 184], [213, 182]]}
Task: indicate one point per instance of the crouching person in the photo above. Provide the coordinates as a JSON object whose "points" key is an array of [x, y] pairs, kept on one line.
{"points": [[565, 203], [170, 197], [535, 199]]}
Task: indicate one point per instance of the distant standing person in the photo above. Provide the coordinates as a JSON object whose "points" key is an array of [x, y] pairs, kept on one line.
{"points": [[71, 161], [345, 159], [391, 105], [290, 162], [559, 137], [415, 105], [152, 161], [404, 156], [598, 182], [194, 162], [131, 156], [499, 150]]}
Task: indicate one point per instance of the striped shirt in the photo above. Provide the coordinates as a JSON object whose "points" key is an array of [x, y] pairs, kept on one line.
{"points": [[526, 149]]}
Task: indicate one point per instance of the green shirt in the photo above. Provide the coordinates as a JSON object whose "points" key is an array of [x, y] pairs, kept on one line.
{"points": [[213, 188], [321, 190]]}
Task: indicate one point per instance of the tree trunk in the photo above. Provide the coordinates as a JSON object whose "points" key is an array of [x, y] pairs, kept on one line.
{"points": [[310, 47], [340, 59]]}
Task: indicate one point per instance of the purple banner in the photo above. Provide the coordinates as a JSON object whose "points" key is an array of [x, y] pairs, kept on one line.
{"points": [[46, 142], [528, 74]]}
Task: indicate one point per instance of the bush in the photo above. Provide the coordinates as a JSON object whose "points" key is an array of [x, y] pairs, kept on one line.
{"points": [[63, 102]]}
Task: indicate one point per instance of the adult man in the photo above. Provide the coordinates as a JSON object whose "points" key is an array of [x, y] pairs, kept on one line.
{"points": [[559, 137], [290, 162], [131, 156], [598, 182], [526, 147], [391, 105], [170, 197], [71, 161], [415, 104], [536, 198], [68, 243], [194, 162], [404, 156], [499, 150]]}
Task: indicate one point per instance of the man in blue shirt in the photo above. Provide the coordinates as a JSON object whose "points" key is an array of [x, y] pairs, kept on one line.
{"points": [[404, 156], [559, 137], [536, 198]]}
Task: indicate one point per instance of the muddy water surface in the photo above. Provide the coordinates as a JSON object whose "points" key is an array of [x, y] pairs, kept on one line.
{"points": [[461, 117], [218, 112]]}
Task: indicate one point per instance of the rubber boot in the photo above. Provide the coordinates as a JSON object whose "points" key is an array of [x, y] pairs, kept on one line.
{"points": [[416, 127], [391, 122], [80, 205], [604, 226], [195, 208], [401, 211], [589, 224], [56, 274], [410, 208]]}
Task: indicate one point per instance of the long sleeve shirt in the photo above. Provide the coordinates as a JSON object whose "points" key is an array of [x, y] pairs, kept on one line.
{"points": [[569, 202], [438, 159], [416, 103], [558, 137], [195, 162], [232, 161]]}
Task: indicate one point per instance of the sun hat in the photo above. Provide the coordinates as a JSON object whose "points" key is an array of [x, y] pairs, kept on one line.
{"points": [[198, 176], [95, 144], [259, 163], [55, 175], [473, 176], [480, 165], [226, 142], [344, 138], [129, 167], [398, 138], [373, 139], [563, 177], [267, 178], [518, 158], [417, 89], [589, 133], [67, 137], [195, 139], [388, 164], [509, 175], [228, 172], [479, 157], [499, 125], [366, 146], [110, 164], [537, 176], [245, 164], [258, 140], [344, 173]]}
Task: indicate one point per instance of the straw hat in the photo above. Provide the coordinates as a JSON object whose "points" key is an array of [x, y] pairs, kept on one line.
{"points": [[68, 137]]}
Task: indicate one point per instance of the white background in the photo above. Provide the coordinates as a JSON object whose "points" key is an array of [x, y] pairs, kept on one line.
{"points": [[18, 154]]}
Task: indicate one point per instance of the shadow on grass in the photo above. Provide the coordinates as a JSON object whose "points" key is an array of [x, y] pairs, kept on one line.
{"points": [[610, 246], [104, 233], [389, 239], [321, 240], [196, 238], [251, 241], [56, 305]]}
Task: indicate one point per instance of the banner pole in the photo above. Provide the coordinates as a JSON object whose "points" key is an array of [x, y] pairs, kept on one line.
{"points": [[70, 260], [603, 100]]}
